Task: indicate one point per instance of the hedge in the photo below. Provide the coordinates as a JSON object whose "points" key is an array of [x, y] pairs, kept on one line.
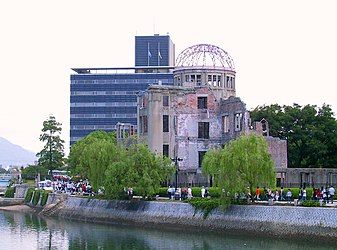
{"points": [[29, 195], [310, 203], [36, 197], [44, 197], [214, 192], [10, 192]]}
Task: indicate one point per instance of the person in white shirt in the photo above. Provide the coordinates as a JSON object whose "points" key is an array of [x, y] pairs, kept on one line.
{"points": [[189, 193], [203, 190], [304, 194], [289, 195], [331, 193]]}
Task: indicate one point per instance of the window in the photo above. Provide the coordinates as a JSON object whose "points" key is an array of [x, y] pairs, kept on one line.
{"points": [[187, 78], [228, 81], [192, 78], [225, 125], [214, 80], [202, 102], [165, 123], [165, 100], [143, 101], [166, 150], [201, 155], [209, 80], [203, 130], [237, 121], [145, 124], [219, 80], [141, 125], [199, 80]]}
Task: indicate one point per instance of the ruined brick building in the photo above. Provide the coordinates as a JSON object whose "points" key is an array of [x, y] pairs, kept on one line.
{"points": [[199, 112]]}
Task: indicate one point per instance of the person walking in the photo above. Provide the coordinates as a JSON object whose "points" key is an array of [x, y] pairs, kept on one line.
{"points": [[282, 194], [189, 193], [257, 193], [203, 190], [331, 193], [323, 194], [277, 195], [289, 195], [300, 193], [304, 194]]}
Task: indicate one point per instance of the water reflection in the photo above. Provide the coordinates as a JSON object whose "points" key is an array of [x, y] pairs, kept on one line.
{"points": [[28, 231]]}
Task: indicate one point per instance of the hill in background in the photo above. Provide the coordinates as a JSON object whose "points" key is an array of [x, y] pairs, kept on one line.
{"points": [[14, 155]]}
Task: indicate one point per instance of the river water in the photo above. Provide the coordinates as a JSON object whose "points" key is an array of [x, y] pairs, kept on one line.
{"points": [[28, 231]]}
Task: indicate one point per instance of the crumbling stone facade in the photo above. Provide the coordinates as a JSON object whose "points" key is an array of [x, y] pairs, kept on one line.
{"points": [[308, 177], [198, 113]]}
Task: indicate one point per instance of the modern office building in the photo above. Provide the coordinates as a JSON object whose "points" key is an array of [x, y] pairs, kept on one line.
{"points": [[99, 99], [102, 97], [154, 51]]}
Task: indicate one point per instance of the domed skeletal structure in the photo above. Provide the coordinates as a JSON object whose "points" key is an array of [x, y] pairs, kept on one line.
{"points": [[205, 55]]}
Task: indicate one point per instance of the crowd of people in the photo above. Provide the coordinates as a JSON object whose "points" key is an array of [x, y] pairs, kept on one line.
{"points": [[323, 193], [185, 193], [65, 185]]}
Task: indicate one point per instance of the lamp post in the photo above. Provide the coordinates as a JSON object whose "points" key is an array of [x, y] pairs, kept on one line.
{"points": [[175, 160]]}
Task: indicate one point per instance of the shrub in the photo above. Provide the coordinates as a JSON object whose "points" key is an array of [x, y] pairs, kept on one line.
{"points": [[196, 191], [215, 192], [310, 203], [44, 197], [205, 205], [162, 192], [10, 192], [36, 197], [29, 195], [239, 201]]}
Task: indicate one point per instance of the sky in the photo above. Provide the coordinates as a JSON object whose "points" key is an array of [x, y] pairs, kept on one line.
{"points": [[285, 52]]}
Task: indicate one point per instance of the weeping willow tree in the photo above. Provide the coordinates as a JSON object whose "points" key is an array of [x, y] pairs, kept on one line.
{"points": [[91, 156], [244, 162], [139, 168]]}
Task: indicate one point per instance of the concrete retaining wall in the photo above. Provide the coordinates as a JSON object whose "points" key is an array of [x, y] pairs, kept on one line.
{"points": [[271, 220], [11, 201], [20, 191]]}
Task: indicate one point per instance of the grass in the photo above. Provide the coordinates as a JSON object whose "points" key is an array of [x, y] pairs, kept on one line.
{"points": [[29, 195], [10, 192]]}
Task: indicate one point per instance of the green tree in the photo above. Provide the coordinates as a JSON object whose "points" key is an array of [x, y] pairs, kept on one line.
{"points": [[139, 168], [30, 172], [311, 132], [244, 162], [52, 154], [90, 156]]}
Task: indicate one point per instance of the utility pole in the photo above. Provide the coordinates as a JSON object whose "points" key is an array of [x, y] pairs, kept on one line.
{"points": [[175, 160]]}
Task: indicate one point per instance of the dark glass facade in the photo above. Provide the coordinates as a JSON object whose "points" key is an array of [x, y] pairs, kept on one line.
{"points": [[154, 51], [99, 101]]}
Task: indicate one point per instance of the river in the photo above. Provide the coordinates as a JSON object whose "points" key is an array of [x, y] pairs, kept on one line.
{"points": [[28, 231]]}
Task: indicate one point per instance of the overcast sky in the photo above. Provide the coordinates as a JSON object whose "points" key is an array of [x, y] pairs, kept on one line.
{"points": [[284, 52]]}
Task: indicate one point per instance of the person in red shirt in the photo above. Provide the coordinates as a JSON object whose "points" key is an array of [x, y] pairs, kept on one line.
{"points": [[257, 193]]}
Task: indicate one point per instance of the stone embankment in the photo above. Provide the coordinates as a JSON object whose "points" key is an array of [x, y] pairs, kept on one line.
{"points": [[4, 202], [252, 219]]}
